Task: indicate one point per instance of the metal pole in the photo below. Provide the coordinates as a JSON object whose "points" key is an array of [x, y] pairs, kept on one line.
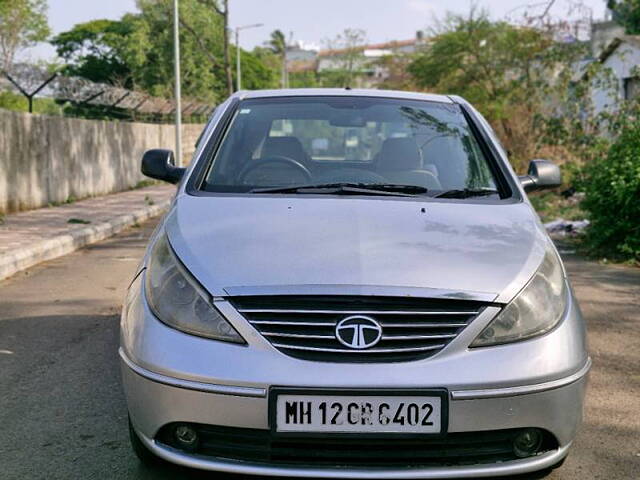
{"points": [[121, 98], [238, 66], [32, 94], [238, 60], [178, 110]]}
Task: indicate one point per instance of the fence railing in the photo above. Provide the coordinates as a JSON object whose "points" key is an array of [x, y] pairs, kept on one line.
{"points": [[33, 81]]}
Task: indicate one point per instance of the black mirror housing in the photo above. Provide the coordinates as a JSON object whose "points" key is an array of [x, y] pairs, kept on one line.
{"points": [[160, 164], [542, 174]]}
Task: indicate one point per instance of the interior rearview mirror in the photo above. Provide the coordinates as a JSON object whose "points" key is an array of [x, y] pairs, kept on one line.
{"points": [[160, 164], [542, 174], [347, 120]]}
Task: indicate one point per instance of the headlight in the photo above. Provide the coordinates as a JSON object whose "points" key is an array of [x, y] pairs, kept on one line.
{"points": [[535, 310], [178, 300]]}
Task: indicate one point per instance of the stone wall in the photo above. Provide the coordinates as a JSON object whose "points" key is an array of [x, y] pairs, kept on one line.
{"points": [[45, 159]]}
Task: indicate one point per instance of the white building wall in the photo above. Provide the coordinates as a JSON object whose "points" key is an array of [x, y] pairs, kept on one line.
{"points": [[621, 63]]}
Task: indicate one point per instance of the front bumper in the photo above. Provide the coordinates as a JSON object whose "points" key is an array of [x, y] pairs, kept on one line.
{"points": [[245, 468], [153, 404], [173, 377]]}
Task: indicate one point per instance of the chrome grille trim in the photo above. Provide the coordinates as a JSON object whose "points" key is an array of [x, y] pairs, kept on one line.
{"points": [[296, 335], [367, 351], [304, 326], [418, 337], [422, 325], [352, 312], [294, 323], [384, 337]]}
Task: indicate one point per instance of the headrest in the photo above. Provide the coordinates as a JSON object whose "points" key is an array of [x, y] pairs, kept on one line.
{"points": [[399, 154], [285, 147]]}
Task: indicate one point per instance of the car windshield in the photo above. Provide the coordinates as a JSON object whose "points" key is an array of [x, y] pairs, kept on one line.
{"points": [[303, 144]]}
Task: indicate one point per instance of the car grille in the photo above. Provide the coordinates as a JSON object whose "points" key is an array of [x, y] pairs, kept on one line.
{"points": [[304, 326], [330, 450]]}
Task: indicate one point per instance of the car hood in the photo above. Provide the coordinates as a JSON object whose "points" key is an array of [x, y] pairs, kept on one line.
{"points": [[234, 244]]}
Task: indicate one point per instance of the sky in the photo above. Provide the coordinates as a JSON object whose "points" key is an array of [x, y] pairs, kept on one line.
{"points": [[311, 21]]}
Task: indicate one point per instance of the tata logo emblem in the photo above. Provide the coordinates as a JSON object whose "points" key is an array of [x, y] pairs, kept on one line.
{"points": [[358, 332]]}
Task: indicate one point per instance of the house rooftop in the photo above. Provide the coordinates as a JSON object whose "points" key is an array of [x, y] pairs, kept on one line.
{"points": [[375, 46], [616, 42]]}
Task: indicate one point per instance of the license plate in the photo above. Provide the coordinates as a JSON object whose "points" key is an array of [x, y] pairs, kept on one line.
{"points": [[359, 413]]}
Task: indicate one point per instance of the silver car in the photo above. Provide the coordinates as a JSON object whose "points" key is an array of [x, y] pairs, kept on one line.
{"points": [[352, 284]]}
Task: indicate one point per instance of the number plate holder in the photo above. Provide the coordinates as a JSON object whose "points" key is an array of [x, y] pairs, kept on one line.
{"points": [[441, 393]]}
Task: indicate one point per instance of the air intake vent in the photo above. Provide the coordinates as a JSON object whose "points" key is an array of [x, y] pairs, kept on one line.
{"points": [[409, 328], [260, 446]]}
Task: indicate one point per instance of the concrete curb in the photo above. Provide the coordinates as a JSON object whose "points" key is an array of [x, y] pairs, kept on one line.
{"points": [[60, 245]]}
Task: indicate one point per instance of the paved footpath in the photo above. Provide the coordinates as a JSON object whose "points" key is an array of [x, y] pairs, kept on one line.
{"points": [[31, 237], [62, 408]]}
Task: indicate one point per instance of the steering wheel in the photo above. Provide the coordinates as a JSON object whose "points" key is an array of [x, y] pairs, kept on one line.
{"points": [[281, 159]]}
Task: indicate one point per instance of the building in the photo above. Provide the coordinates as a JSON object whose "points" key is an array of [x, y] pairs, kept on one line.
{"points": [[364, 60], [620, 79], [602, 34], [301, 58]]}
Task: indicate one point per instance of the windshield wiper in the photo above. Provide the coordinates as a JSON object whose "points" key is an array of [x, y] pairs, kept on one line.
{"points": [[467, 193], [348, 188]]}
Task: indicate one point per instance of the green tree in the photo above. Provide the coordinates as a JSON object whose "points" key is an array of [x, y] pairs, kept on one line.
{"points": [[305, 79], [278, 42], [627, 13], [268, 58], [256, 73], [508, 72], [137, 50], [347, 58], [202, 65], [22, 24], [278, 45], [398, 76], [221, 8], [98, 50]]}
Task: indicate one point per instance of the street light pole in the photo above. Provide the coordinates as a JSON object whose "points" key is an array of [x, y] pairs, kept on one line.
{"points": [[238, 62], [178, 94]]}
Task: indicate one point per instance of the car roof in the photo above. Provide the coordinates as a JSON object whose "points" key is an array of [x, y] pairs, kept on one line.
{"points": [[341, 92]]}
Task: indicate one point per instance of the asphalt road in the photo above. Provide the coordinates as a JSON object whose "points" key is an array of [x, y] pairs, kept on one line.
{"points": [[62, 411]]}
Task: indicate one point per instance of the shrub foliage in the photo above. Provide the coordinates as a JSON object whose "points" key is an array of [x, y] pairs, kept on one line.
{"points": [[613, 197]]}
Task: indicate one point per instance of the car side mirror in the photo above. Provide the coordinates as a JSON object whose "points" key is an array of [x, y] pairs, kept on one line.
{"points": [[542, 174], [160, 164]]}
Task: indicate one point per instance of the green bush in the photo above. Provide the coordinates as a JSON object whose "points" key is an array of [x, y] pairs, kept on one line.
{"points": [[613, 197]]}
